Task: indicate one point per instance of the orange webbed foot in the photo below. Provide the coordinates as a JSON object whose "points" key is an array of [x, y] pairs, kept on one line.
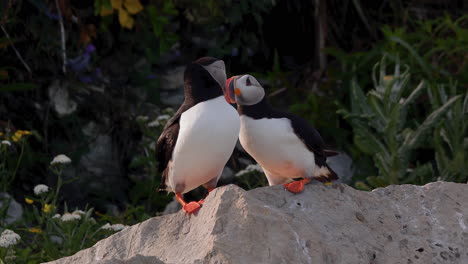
{"points": [[191, 207], [296, 186]]}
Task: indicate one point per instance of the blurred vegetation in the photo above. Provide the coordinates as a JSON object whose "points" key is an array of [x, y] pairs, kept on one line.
{"points": [[385, 82]]}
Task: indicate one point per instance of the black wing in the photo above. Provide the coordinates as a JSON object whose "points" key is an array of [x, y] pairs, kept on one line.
{"points": [[166, 143], [314, 142]]}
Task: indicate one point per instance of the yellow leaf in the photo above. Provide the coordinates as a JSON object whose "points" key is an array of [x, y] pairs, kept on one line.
{"points": [[35, 230], [133, 6], [125, 19], [116, 4], [29, 201], [105, 11]]}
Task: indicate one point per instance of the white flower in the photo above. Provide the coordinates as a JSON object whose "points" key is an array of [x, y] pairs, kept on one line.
{"points": [[70, 217], [60, 159], [116, 227], [6, 142], [153, 123], [250, 168], [142, 118], [78, 212], [163, 117], [8, 238], [56, 216], [40, 189]]}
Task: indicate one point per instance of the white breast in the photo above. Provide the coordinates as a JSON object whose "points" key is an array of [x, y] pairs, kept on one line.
{"points": [[207, 137], [275, 146]]}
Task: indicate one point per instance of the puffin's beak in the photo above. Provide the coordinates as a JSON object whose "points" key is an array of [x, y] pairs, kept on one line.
{"points": [[229, 94]]}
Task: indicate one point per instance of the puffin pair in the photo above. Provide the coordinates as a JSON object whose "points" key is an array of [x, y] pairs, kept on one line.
{"points": [[198, 140]]}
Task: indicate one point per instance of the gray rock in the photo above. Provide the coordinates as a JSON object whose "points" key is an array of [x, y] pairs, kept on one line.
{"points": [[227, 175], [172, 207], [14, 212], [173, 79], [342, 164], [323, 224], [172, 84], [60, 98]]}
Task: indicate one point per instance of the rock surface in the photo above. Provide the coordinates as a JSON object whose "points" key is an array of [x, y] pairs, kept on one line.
{"points": [[324, 224]]}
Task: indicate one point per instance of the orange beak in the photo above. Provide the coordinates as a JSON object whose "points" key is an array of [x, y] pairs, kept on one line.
{"points": [[230, 91]]}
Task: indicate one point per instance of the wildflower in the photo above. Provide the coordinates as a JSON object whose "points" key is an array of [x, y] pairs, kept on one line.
{"points": [[116, 227], [40, 189], [250, 168], [60, 159], [47, 208], [142, 118], [23, 132], [56, 216], [388, 77], [66, 217], [35, 230], [8, 238], [78, 212], [28, 201], [16, 137], [163, 117], [6, 142], [154, 123]]}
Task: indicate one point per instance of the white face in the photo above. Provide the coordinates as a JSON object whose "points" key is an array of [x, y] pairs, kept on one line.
{"points": [[217, 70], [248, 90]]}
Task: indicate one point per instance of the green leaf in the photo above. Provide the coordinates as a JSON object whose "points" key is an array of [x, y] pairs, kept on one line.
{"points": [[13, 87], [422, 63], [417, 136]]}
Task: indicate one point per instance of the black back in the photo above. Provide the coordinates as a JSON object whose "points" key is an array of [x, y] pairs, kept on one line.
{"points": [[301, 127], [199, 86]]}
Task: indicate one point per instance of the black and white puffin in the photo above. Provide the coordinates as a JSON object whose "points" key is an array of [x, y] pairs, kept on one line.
{"points": [[285, 145], [198, 140]]}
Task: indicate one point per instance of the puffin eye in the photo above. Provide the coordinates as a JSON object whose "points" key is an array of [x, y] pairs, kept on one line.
{"points": [[248, 83]]}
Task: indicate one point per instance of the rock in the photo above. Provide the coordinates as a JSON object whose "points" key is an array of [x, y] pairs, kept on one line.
{"points": [[172, 207], [342, 164], [60, 98], [14, 212], [172, 84], [324, 224]]}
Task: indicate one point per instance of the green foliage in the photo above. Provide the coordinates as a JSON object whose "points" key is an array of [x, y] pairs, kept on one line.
{"points": [[434, 49], [451, 136], [383, 130], [45, 234], [145, 189]]}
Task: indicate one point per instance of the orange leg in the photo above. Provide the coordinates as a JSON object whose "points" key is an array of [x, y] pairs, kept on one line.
{"points": [[191, 207], [296, 186], [203, 200]]}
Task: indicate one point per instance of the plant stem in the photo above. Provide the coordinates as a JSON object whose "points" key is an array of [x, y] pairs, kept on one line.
{"points": [[17, 165], [62, 34], [16, 51]]}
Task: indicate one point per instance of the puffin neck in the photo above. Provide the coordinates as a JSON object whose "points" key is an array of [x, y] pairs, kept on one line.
{"points": [[260, 110], [199, 85]]}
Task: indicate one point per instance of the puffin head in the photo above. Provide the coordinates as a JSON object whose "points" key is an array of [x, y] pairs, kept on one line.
{"points": [[215, 67], [244, 90]]}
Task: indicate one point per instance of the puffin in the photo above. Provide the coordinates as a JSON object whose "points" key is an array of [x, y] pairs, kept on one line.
{"points": [[286, 146], [198, 140]]}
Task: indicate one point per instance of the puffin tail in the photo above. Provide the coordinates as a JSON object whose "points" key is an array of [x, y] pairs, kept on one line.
{"points": [[325, 174]]}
